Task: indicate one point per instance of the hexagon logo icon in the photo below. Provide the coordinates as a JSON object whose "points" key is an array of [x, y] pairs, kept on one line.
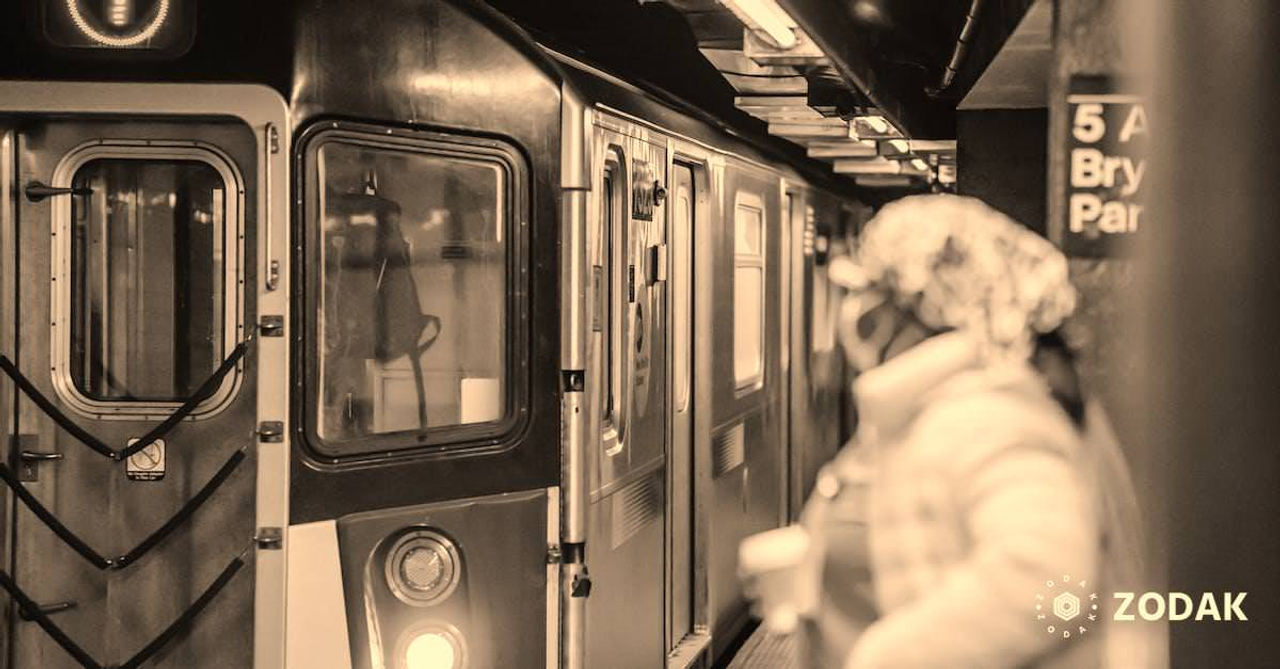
{"points": [[1066, 606]]}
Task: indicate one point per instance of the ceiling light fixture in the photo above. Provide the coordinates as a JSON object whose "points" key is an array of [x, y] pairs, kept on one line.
{"points": [[767, 16]]}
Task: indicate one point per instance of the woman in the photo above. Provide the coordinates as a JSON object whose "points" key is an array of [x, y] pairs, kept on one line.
{"points": [[976, 491]]}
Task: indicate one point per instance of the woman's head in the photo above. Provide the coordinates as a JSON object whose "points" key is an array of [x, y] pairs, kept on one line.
{"points": [[931, 263]]}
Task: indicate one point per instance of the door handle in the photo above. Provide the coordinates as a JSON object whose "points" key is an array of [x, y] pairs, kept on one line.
{"points": [[47, 609], [29, 460], [38, 456], [37, 191]]}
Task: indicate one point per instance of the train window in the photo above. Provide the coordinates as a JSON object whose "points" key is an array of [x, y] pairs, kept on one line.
{"points": [[151, 279], [416, 271], [748, 290], [682, 261]]}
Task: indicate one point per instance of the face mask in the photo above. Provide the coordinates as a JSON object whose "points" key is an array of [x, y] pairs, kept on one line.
{"points": [[868, 325]]}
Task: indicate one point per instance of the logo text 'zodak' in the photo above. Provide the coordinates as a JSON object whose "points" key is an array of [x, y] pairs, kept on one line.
{"points": [[1180, 606]]}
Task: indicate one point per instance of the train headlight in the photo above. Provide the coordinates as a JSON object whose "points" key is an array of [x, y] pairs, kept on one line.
{"points": [[433, 646], [431, 650], [422, 567]]}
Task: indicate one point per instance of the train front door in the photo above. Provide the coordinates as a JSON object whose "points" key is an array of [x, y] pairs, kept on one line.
{"points": [[131, 397]]}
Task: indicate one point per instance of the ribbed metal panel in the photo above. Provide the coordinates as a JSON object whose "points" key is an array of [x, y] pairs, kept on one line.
{"points": [[635, 506], [728, 449]]}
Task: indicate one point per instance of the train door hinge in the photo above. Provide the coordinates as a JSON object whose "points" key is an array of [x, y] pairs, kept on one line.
{"points": [[271, 431], [269, 538], [271, 325], [554, 555]]}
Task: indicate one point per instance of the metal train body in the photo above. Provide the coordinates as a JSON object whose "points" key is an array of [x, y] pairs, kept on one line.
{"points": [[524, 351]]}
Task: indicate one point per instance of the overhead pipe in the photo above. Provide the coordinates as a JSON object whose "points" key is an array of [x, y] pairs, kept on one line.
{"points": [[961, 48]]}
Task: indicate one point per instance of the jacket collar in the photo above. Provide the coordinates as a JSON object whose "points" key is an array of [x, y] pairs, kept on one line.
{"points": [[891, 395]]}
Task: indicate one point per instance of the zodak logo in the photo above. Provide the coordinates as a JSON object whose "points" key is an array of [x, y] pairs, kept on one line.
{"points": [[1152, 606], [1066, 607]]}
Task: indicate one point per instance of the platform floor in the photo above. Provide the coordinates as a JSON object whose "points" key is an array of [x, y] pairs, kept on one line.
{"points": [[763, 650]]}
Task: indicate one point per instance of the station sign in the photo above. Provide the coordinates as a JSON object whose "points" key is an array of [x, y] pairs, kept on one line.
{"points": [[1107, 137]]}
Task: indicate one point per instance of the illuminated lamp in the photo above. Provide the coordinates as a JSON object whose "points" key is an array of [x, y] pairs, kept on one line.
{"points": [[895, 147], [874, 126], [114, 29], [768, 17], [118, 14], [435, 646]]}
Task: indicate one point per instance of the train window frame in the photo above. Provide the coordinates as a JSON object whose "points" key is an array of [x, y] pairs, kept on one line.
{"points": [[514, 205], [61, 300], [751, 379], [615, 225]]}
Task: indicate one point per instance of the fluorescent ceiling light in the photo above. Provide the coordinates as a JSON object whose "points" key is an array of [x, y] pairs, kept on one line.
{"points": [[877, 123], [767, 16]]}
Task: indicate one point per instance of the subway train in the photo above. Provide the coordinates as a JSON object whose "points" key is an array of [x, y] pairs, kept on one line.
{"points": [[343, 338]]}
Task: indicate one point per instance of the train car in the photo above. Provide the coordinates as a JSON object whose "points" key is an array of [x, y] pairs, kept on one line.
{"points": [[355, 336]]}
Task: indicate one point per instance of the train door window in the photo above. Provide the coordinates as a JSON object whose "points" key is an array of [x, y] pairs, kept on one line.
{"points": [[825, 303], [748, 290], [613, 303], [682, 262], [414, 251], [606, 303], [151, 247]]}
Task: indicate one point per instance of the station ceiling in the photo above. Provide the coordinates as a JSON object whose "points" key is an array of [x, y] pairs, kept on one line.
{"points": [[907, 62]]}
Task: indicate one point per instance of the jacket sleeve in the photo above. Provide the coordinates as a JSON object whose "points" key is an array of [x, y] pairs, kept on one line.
{"points": [[1029, 521]]}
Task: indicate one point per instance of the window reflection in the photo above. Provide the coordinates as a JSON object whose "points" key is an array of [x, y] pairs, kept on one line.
{"points": [[413, 331], [748, 290]]}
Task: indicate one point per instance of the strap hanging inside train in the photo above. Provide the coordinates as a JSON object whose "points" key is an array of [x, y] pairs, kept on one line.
{"points": [[29, 608], [94, 557], [204, 392]]}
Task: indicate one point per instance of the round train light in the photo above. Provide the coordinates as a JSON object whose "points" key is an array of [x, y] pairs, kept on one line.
{"points": [[432, 650], [434, 645], [118, 14], [423, 567]]}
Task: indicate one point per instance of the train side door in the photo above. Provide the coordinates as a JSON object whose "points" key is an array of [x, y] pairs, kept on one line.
{"points": [[627, 357], [680, 465], [131, 308]]}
